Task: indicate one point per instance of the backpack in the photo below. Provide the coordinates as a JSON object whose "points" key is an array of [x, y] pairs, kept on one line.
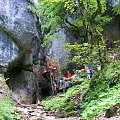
{"points": [[91, 71]]}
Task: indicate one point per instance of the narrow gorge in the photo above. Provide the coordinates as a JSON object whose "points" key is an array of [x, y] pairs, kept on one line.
{"points": [[71, 34]]}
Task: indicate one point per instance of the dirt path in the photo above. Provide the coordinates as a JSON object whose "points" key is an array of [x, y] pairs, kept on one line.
{"points": [[36, 112]]}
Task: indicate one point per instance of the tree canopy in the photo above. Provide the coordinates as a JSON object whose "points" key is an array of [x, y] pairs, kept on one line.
{"points": [[84, 19]]}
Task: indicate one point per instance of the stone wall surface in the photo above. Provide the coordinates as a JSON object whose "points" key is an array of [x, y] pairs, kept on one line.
{"points": [[16, 18], [18, 26]]}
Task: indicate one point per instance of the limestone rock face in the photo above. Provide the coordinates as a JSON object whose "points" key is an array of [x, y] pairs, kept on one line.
{"points": [[8, 49], [56, 49], [18, 26], [15, 18]]}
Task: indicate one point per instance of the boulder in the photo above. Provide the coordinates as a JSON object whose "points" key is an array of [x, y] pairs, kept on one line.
{"points": [[19, 45]]}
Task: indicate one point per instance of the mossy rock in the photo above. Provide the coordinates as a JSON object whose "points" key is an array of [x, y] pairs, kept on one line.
{"points": [[70, 107], [113, 111]]}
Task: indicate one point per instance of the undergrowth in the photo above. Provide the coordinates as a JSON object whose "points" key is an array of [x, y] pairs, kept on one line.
{"points": [[103, 93], [59, 101], [6, 110]]}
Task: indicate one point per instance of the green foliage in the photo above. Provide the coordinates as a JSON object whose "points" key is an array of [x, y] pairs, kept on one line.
{"points": [[84, 19], [83, 53], [49, 13], [70, 107], [116, 9], [6, 110], [102, 20], [61, 100], [105, 101], [104, 80], [90, 23], [103, 93], [77, 22]]}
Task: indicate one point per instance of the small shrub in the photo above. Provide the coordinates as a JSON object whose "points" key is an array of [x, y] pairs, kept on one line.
{"points": [[6, 110], [103, 93], [70, 107]]}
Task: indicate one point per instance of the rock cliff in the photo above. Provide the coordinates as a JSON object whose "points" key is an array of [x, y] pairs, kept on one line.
{"points": [[19, 42]]}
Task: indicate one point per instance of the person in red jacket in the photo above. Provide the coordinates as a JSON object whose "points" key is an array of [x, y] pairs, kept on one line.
{"points": [[69, 75]]}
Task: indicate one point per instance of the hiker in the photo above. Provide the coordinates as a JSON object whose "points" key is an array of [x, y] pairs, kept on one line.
{"points": [[91, 72], [113, 57], [87, 71], [54, 87], [69, 77], [98, 67], [78, 73], [63, 84]]}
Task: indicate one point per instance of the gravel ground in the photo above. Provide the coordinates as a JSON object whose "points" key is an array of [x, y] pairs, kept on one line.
{"points": [[36, 112]]}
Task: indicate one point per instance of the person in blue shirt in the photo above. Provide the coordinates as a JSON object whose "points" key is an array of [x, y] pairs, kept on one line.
{"points": [[91, 72]]}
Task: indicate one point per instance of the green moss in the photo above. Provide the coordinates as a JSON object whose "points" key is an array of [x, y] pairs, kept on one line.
{"points": [[70, 113], [69, 110], [70, 107]]}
